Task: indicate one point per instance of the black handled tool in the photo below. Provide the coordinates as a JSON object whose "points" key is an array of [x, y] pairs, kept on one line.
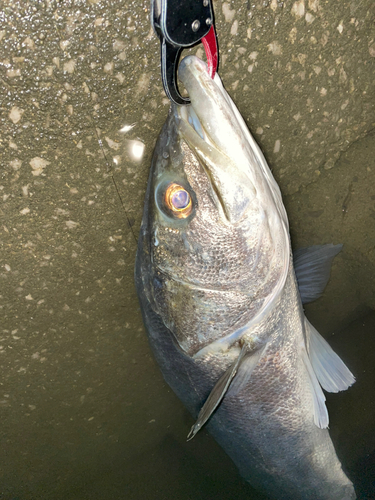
{"points": [[181, 24]]}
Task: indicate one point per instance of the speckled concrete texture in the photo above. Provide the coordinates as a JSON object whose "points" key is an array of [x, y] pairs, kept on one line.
{"points": [[84, 411]]}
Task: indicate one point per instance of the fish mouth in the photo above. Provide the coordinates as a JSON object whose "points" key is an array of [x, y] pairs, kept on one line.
{"points": [[210, 128], [216, 132]]}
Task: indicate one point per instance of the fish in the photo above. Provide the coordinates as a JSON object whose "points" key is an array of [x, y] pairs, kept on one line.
{"points": [[222, 296]]}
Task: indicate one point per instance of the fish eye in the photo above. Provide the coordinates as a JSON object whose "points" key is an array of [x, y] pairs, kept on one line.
{"points": [[178, 200]]}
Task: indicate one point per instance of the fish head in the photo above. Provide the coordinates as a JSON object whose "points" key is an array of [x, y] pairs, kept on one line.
{"points": [[215, 227]]}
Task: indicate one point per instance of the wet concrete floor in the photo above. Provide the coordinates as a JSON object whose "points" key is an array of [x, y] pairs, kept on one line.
{"points": [[85, 412]]}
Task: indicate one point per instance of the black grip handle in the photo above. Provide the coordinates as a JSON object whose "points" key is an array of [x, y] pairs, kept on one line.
{"points": [[182, 22]]}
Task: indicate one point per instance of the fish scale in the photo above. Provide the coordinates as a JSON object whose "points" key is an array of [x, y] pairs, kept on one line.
{"points": [[223, 309]]}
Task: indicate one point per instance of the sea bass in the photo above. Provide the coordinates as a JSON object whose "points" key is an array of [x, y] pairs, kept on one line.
{"points": [[221, 303]]}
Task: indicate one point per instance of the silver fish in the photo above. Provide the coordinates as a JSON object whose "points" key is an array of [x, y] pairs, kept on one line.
{"points": [[221, 304]]}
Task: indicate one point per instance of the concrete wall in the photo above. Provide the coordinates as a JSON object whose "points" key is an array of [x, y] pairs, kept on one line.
{"points": [[84, 411]]}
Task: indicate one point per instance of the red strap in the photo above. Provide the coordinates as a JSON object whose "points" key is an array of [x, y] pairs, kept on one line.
{"points": [[210, 47]]}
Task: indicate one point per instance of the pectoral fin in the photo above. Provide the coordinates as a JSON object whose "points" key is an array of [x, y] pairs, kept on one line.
{"points": [[320, 410], [331, 371], [241, 368], [245, 369], [326, 369]]}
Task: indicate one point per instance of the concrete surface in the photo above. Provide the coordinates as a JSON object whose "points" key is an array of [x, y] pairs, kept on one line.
{"points": [[84, 411]]}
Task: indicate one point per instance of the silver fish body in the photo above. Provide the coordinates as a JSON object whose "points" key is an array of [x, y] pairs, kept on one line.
{"points": [[216, 284]]}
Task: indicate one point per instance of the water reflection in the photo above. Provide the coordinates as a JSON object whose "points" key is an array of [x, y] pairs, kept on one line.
{"points": [[126, 128], [136, 149], [133, 149]]}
